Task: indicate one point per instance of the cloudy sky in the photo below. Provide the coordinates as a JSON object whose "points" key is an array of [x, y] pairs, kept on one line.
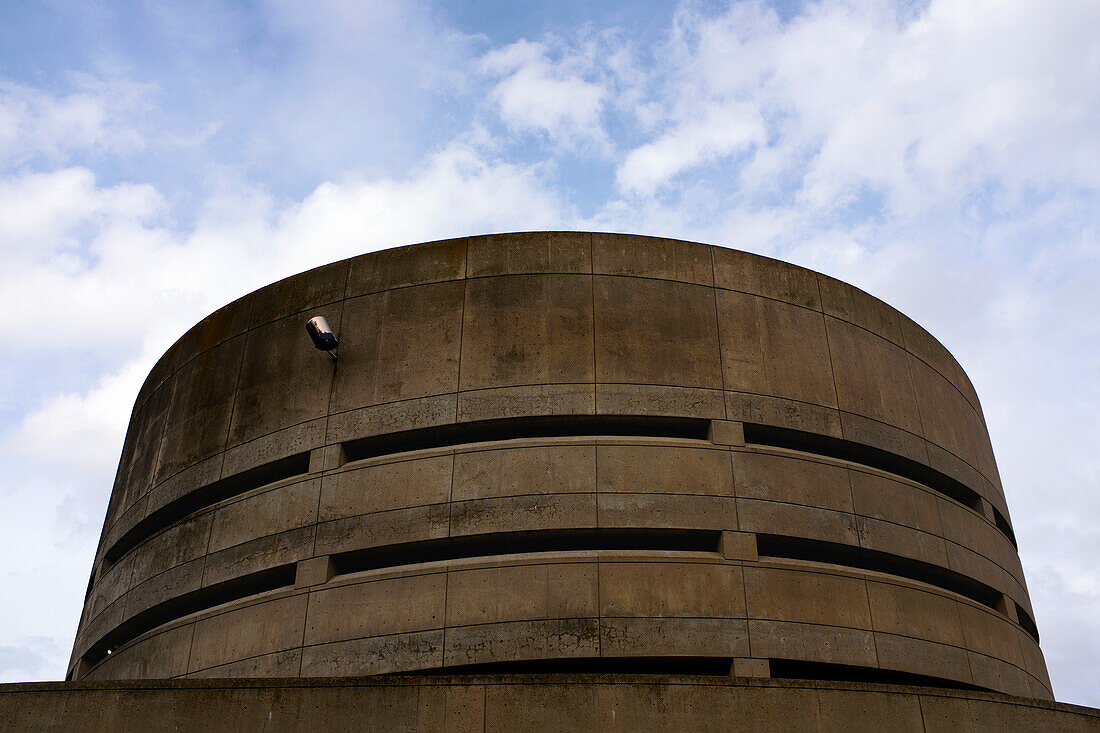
{"points": [[160, 159]]}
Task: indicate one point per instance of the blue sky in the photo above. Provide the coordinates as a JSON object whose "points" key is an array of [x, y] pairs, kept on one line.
{"points": [[160, 159]]}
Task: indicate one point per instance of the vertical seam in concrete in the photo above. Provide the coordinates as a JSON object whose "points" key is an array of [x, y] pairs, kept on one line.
{"points": [[745, 595], [916, 400], [451, 492], [446, 591], [832, 366], [718, 329], [237, 384], [190, 647], [965, 643], [871, 622], [305, 620], [592, 293], [462, 325]]}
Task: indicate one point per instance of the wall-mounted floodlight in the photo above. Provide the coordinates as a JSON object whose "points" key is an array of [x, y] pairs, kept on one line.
{"points": [[322, 336]]}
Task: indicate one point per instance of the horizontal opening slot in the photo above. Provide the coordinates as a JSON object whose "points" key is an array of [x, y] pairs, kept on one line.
{"points": [[1027, 623], [799, 670], [1004, 526], [834, 553], [188, 603], [561, 426], [848, 450], [206, 496], [515, 543], [709, 666]]}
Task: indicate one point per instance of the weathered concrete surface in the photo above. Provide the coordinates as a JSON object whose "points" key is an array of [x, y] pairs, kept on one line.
{"points": [[542, 324], [531, 703]]}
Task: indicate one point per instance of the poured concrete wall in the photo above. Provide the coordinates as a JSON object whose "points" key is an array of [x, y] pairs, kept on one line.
{"points": [[523, 326], [506, 702]]}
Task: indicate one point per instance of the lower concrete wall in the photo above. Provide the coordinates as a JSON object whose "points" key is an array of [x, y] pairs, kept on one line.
{"points": [[533, 703]]}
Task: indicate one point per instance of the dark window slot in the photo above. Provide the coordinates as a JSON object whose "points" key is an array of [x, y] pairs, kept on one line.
{"points": [[847, 450], [514, 543], [180, 606], [799, 670], [206, 496], [1004, 526], [1027, 623], [562, 426], [834, 553], [709, 666]]}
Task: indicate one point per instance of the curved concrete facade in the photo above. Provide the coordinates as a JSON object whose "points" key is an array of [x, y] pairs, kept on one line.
{"points": [[601, 452]]}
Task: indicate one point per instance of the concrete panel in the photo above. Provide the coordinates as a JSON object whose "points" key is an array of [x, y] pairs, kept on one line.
{"points": [[270, 626], [501, 642], [535, 399], [918, 656], [806, 596], [796, 353], [766, 410], [861, 429], [286, 507], [673, 637], [178, 544], [385, 486], [193, 477], [840, 712], [792, 480], [651, 257], [259, 554], [374, 655], [289, 441], [140, 451], [527, 329], [812, 643], [162, 587], [667, 511], [202, 404], [398, 345], [764, 276], [879, 497], [528, 252], [305, 291], [109, 587], [159, 656], [989, 633], [551, 469], [773, 517], [279, 664], [995, 674], [382, 528], [945, 413], [403, 266], [392, 417], [740, 322], [872, 376], [848, 303], [521, 592], [896, 539], [376, 608], [898, 609], [664, 470], [523, 513], [645, 399], [642, 338], [671, 589]]}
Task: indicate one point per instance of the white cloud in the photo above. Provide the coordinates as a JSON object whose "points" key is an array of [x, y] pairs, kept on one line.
{"points": [[537, 94], [100, 115]]}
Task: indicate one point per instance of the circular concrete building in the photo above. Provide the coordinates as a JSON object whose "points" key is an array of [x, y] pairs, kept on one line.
{"points": [[561, 452]]}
